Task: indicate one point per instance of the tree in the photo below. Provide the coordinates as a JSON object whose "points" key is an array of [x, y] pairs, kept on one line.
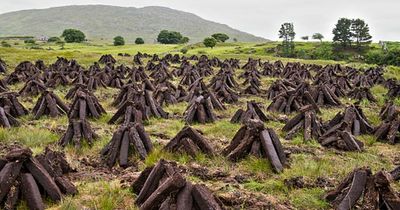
{"points": [[73, 35], [53, 39], [305, 38], [119, 41], [342, 32], [235, 39], [210, 42], [220, 37], [287, 34], [169, 37], [139, 40], [184, 40], [360, 32], [318, 36]]}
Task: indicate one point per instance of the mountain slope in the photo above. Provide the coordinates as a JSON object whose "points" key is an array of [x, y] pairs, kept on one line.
{"points": [[100, 21]]}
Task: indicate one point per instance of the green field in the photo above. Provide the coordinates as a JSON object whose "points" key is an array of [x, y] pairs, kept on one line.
{"points": [[101, 189]]}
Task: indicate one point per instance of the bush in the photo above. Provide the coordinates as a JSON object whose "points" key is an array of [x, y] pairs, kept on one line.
{"points": [[184, 40], [184, 50], [323, 52], [119, 41], [210, 42], [29, 41], [54, 39], [139, 40], [73, 35], [5, 44], [392, 57], [220, 37], [169, 37]]}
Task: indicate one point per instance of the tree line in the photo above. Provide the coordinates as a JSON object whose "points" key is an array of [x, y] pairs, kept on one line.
{"points": [[164, 37], [347, 34]]}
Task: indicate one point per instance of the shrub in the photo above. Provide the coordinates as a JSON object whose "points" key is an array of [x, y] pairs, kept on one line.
{"points": [[73, 35], [139, 40], [169, 37], [210, 42], [323, 52], [5, 44], [30, 41], [392, 57], [54, 39], [119, 41], [184, 50], [220, 37], [184, 40]]}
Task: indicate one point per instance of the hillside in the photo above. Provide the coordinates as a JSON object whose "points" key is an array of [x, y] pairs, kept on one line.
{"points": [[99, 21]]}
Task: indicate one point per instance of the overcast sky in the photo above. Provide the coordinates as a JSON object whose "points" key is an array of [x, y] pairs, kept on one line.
{"points": [[262, 17]]}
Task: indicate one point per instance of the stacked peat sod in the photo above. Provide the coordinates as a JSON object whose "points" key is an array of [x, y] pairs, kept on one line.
{"points": [[395, 173], [137, 59], [292, 100], [162, 186], [78, 87], [137, 74], [394, 91], [78, 130], [22, 73], [138, 99], [323, 96], [296, 71], [130, 138], [340, 138], [85, 105], [189, 74], [363, 189], [130, 112], [107, 59], [253, 138], [361, 93], [3, 66], [306, 121], [7, 120], [189, 141], [252, 78], [9, 102], [58, 78], [3, 86], [389, 111], [352, 120], [389, 130], [198, 88], [342, 129], [253, 112], [49, 104], [97, 81], [200, 110], [10, 109], [268, 69], [223, 85], [166, 93], [115, 80], [33, 87], [23, 176], [278, 87]]}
